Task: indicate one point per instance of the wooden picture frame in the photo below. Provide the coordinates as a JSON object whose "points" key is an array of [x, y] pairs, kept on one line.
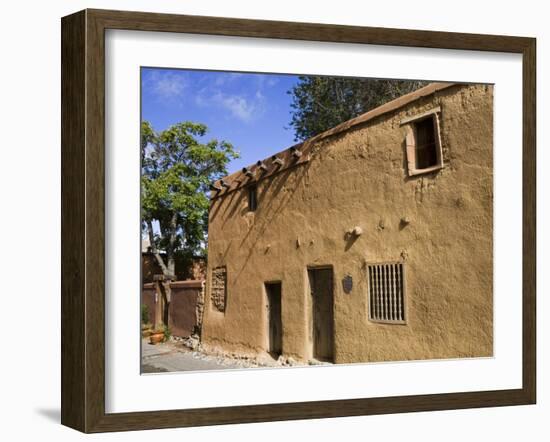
{"points": [[83, 217]]}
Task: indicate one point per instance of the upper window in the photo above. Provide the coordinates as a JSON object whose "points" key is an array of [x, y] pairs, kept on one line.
{"points": [[423, 143], [252, 198]]}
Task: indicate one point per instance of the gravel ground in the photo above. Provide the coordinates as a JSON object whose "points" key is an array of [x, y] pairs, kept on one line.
{"points": [[175, 356], [170, 356]]}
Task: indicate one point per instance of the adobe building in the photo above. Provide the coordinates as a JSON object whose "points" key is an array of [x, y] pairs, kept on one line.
{"points": [[369, 242]]}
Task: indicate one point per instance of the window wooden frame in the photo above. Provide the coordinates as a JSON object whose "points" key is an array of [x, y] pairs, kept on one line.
{"points": [[83, 220], [411, 142]]}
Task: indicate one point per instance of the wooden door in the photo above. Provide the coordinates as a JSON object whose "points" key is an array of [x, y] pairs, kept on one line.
{"points": [[322, 302], [274, 321]]}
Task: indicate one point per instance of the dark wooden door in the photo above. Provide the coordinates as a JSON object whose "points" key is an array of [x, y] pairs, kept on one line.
{"points": [[320, 281], [275, 324]]}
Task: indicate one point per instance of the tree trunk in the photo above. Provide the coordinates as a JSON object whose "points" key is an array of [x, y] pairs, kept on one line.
{"points": [[167, 270], [172, 244], [165, 292], [154, 250]]}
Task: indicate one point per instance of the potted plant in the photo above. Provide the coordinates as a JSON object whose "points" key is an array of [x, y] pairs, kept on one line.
{"points": [[159, 334]]}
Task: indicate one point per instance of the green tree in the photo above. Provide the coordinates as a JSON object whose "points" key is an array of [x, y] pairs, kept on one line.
{"points": [[320, 103], [176, 172]]}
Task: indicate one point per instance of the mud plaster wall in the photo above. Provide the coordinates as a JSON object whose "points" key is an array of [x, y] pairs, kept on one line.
{"points": [[359, 178]]}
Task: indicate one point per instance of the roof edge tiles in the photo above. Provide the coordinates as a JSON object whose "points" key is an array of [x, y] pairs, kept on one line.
{"points": [[299, 153]]}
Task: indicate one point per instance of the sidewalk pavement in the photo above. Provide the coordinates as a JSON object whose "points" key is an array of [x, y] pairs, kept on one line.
{"points": [[169, 357]]}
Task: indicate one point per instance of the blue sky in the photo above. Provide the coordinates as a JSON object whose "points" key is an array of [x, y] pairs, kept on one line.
{"points": [[251, 111]]}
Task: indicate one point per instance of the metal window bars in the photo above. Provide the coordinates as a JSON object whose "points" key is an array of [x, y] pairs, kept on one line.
{"points": [[387, 292]]}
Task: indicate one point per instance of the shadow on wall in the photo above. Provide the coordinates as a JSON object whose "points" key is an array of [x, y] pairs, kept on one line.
{"points": [[267, 210], [350, 238]]}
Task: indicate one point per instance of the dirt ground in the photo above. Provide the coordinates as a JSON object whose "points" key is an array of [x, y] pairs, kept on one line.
{"points": [[173, 356]]}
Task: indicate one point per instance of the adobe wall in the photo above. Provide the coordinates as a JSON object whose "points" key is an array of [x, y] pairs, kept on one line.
{"points": [[359, 178]]}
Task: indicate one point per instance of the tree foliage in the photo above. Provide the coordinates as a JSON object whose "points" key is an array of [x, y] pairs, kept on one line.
{"points": [[320, 103], [177, 169]]}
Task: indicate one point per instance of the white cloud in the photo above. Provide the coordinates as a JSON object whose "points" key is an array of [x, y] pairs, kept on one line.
{"points": [[266, 81], [228, 77], [247, 103], [241, 107], [166, 84]]}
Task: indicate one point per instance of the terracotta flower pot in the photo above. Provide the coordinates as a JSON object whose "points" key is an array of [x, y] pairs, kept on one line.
{"points": [[156, 337]]}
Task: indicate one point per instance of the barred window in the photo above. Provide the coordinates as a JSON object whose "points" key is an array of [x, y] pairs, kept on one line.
{"points": [[387, 292]]}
